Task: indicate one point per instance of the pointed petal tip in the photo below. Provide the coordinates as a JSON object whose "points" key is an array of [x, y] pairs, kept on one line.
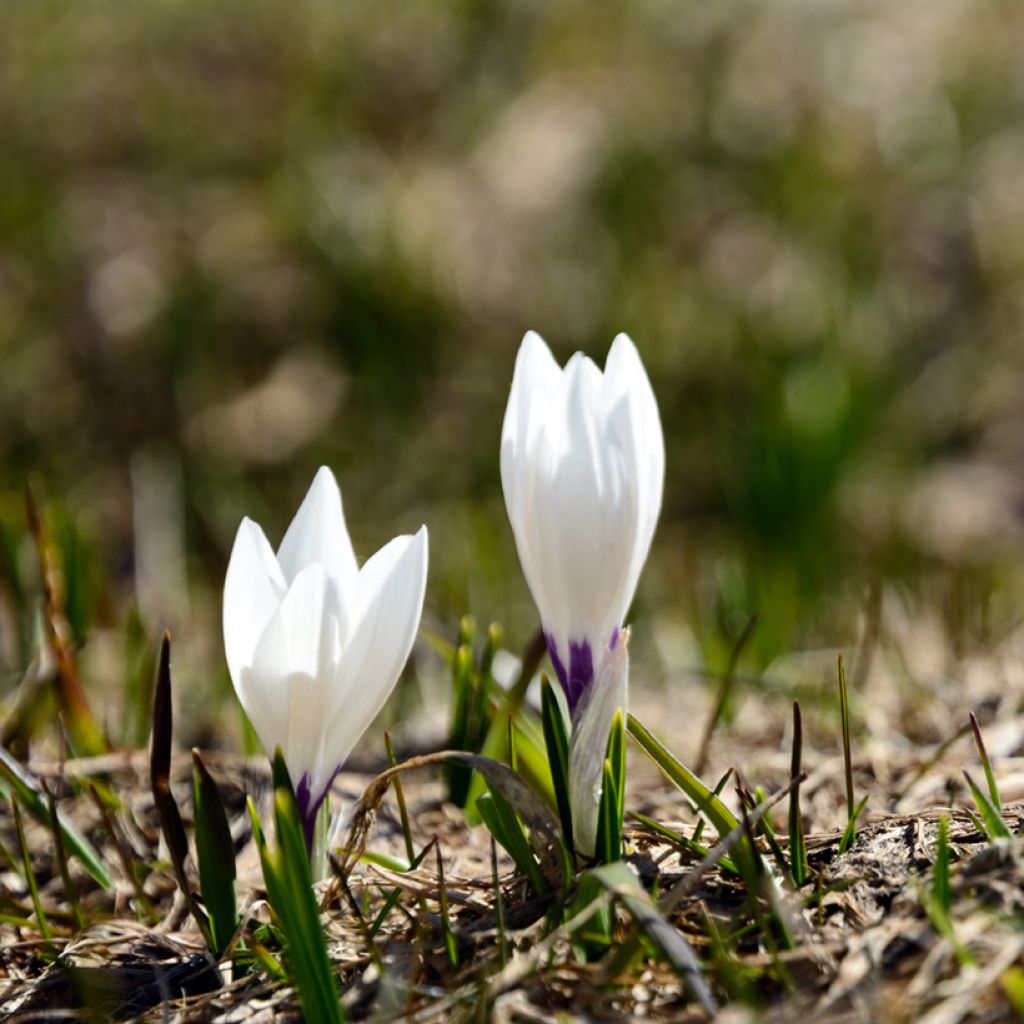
{"points": [[324, 478], [318, 531], [624, 348], [534, 356], [422, 537]]}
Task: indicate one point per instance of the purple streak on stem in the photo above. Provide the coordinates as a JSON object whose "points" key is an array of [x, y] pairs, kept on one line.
{"points": [[580, 675]]}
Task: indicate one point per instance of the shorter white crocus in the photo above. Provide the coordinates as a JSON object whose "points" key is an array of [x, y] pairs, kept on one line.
{"points": [[582, 467], [314, 643]]}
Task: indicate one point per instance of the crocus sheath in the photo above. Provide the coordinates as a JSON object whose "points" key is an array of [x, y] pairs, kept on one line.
{"points": [[592, 724], [314, 643]]}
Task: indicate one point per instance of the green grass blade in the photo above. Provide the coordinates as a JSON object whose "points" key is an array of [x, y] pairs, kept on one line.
{"points": [[609, 825], [30, 876], [403, 811], [533, 758], [764, 827], [450, 946], [497, 814], [290, 888], [797, 846], [617, 760], [704, 800], [612, 805], [622, 883], [15, 781], [844, 716], [850, 832], [994, 826], [942, 891], [215, 851], [459, 775], [986, 764], [70, 892], [556, 740], [718, 790], [678, 839], [159, 776]]}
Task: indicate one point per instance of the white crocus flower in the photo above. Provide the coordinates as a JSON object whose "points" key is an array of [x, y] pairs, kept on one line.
{"points": [[582, 467], [314, 643]]}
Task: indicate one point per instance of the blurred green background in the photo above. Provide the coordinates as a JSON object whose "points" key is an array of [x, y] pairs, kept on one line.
{"points": [[244, 239]]}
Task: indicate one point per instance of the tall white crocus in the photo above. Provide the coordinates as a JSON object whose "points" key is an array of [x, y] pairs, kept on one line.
{"points": [[583, 467], [314, 643]]}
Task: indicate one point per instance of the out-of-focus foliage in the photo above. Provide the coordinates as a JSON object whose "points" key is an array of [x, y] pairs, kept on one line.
{"points": [[242, 239]]}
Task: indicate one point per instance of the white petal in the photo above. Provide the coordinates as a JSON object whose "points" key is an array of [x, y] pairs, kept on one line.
{"points": [[293, 669], [581, 515], [589, 741], [535, 380], [318, 534], [253, 589], [390, 591], [625, 374]]}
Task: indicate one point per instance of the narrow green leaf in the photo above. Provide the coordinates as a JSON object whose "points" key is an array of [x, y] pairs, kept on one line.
{"points": [[143, 908], [501, 820], [30, 876], [759, 885], [511, 703], [70, 891], [215, 852], [617, 759], [14, 780], [678, 839], [451, 948], [609, 824], [797, 847], [978, 824], [844, 715], [459, 775], [719, 788], [499, 907], [764, 827], [403, 811], [290, 889], [995, 827], [942, 891], [593, 934], [986, 764], [703, 799], [480, 694], [850, 832], [171, 824], [556, 740], [731, 975], [619, 880]]}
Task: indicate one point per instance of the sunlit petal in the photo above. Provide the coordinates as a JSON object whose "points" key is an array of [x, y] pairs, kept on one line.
{"points": [[253, 589], [318, 534]]}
